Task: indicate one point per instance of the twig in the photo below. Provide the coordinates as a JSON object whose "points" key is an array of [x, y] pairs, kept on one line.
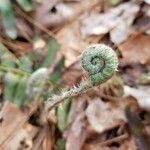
{"points": [[116, 139]]}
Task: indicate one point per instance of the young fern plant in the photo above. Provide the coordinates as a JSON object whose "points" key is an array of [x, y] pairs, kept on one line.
{"points": [[100, 62]]}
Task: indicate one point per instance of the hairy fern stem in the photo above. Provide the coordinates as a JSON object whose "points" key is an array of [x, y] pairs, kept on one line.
{"points": [[65, 94]]}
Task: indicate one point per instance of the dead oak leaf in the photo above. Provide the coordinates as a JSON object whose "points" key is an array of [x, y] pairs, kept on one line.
{"points": [[136, 50], [103, 116], [117, 21]]}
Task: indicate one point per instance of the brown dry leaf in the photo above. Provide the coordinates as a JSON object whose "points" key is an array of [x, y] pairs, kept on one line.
{"points": [[71, 43], [97, 24], [141, 94], [43, 139], [77, 134], [48, 140], [12, 119], [132, 72], [23, 139], [103, 116], [136, 50], [143, 21], [121, 32], [72, 76], [117, 20], [52, 13], [77, 131], [128, 145], [17, 46]]}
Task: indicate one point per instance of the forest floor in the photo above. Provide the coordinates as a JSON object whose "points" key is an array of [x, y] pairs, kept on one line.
{"points": [[51, 35]]}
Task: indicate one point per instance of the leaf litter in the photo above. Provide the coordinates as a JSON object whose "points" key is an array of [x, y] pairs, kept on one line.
{"points": [[117, 21], [101, 117]]}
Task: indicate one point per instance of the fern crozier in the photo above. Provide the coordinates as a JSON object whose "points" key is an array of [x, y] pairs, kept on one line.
{"points": [[100, 62]]}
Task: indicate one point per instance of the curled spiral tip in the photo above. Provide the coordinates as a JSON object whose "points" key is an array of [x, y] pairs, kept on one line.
{"points": [[100, 61]]}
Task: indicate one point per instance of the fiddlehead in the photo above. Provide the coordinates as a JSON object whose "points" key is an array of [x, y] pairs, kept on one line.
{"points": [[100, 62]]}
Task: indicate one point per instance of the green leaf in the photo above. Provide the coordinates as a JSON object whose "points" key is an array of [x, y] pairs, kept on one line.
{"points": [[8, 63], [10, 83], [20, 93], [25, 64], [26, 4], [113, 2], [62, 115], [60, 144], [49, 57], [6, 57], [55, 76], [33, 55], [8, 19], [15, 88]]}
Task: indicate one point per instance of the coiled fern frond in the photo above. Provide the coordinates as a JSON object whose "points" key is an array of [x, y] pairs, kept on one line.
{"points": [[100, 62]]}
